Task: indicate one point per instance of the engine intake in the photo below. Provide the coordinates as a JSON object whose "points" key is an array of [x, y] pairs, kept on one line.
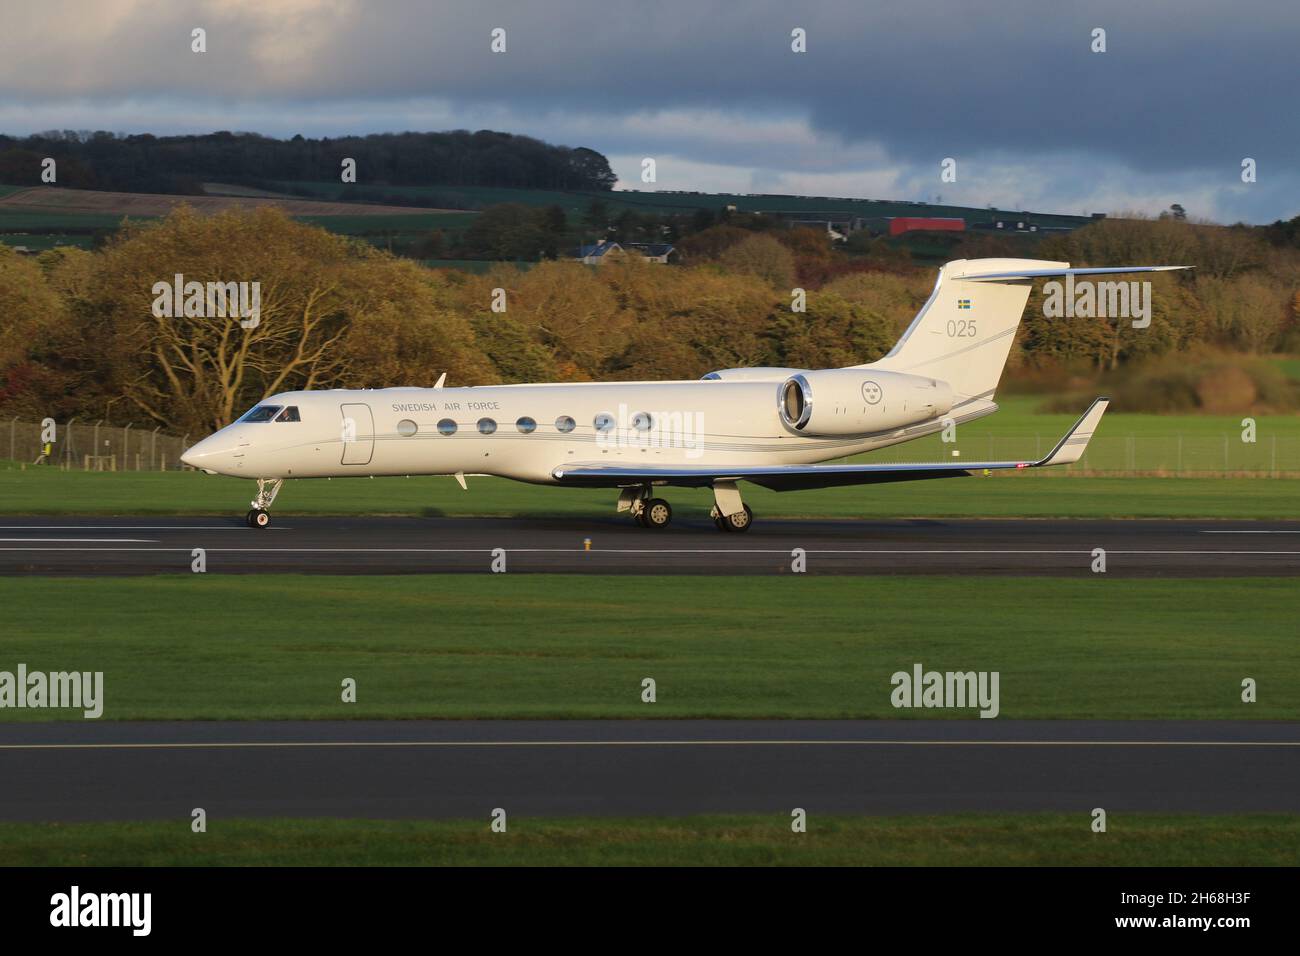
{"points": [[839, 402]]}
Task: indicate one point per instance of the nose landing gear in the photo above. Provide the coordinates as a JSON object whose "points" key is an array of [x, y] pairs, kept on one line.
{"points": [[260, 515]]}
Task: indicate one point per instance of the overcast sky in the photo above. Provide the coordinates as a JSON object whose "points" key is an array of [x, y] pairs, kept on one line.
{"points": [[713, 92]]}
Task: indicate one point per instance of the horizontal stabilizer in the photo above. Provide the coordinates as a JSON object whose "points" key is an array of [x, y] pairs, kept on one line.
{"points": [[1046, 273]]}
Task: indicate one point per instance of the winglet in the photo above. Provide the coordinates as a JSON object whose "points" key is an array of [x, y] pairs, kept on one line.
{"points": [[1071, 448]]}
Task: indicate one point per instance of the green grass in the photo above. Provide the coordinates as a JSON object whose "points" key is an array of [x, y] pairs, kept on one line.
{"points": [[1290, 367], [559, 646], [53, 222], [1035, 839], [576, 202], [1153, 444], [46, 240], [48, 491], [415, 224]]}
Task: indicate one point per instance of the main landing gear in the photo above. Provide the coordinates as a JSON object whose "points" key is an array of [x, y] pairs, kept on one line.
{"points": [[740, 521], [729, 513], [646, 511], [260, 515]]}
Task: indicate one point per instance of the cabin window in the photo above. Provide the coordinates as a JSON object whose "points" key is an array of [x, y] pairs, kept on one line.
{"points": [[603, 422], [290, 414], [262, 413], [641, 421], [487, 426], [565, 424], [447, 427], [526, 425], [406, 428]]}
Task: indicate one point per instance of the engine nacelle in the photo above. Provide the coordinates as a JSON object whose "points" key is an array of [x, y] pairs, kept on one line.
{"points": [[756, 374], [859, 401]]}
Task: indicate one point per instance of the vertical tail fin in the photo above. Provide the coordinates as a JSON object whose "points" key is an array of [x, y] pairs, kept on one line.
{"points": [[963, 333]]}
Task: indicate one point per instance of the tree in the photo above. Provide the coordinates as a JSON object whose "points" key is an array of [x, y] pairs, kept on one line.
{"points": [[333, 311], [35, 337], [597, 218], [507, 231], [761, 255]]}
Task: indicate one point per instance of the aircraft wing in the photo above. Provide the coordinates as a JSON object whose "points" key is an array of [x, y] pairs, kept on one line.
{"points": [[794, 477]]}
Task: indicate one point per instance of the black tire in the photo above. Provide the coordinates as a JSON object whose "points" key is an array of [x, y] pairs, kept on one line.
{"points": [[257, 518], [719, 522], [639, 518], [740, 521], [658, 514]]}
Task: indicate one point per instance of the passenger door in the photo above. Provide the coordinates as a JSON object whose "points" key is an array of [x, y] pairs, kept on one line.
{"points": [[358, 432]]}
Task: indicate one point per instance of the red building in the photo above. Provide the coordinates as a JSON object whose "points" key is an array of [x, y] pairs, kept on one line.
{"points": [[902, 224]]}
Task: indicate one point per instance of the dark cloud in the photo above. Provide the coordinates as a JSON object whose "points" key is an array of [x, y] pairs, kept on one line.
{"points": [[1185, 90]]}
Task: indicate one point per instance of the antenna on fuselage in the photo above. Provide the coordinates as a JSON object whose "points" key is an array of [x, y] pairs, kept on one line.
{"points": [[441, 378]]}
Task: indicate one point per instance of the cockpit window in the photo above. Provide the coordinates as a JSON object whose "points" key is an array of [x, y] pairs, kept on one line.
{"points": [[262, 413], [290, 414]]}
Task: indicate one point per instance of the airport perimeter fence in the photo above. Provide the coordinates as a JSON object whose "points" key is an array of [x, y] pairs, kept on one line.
{"points": [[1270, 456], [82, 446]]}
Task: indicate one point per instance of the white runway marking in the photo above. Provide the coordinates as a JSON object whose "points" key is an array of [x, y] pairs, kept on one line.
{"points": [[1250, 532], [643, 551], [86, 540], [238, 745], [126, 527]]}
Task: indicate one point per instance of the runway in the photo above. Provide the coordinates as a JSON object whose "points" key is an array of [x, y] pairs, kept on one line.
{"points": [[434, 769], [388, 545]]}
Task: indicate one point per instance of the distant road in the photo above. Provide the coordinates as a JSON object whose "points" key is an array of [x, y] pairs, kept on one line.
{"points": [[429, 769], [353, 545]]}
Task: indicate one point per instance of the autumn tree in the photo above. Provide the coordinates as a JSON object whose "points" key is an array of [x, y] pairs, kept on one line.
{"points": [[332, 311]]}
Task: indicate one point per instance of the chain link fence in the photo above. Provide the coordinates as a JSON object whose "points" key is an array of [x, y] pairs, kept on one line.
{"points": [[82, 446], [97, 447], [1189, 455]]}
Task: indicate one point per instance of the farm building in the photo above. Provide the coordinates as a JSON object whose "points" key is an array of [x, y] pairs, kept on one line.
{"points": [[901, 224], [599, 252]]}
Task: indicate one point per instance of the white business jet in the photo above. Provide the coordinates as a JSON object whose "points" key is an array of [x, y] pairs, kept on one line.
{"points": [[769, 426]]}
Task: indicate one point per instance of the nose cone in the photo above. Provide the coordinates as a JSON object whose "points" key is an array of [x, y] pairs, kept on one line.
{"points": [[215, 454]]}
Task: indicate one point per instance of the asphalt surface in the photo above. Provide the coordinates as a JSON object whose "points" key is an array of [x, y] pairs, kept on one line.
{"points": [[352, 545], [429, 769]]}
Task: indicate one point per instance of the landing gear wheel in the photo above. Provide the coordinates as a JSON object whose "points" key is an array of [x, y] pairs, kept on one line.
{"points": [[639, 517], [719, 522], [656, 514], [740, 521], [257, 518]]}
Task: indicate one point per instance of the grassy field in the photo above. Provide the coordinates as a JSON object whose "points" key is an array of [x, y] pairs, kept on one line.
{"points": [[525, 646], [575, 202], [1037, 839], [1152, 443], [47, 491], [39, 228]]}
